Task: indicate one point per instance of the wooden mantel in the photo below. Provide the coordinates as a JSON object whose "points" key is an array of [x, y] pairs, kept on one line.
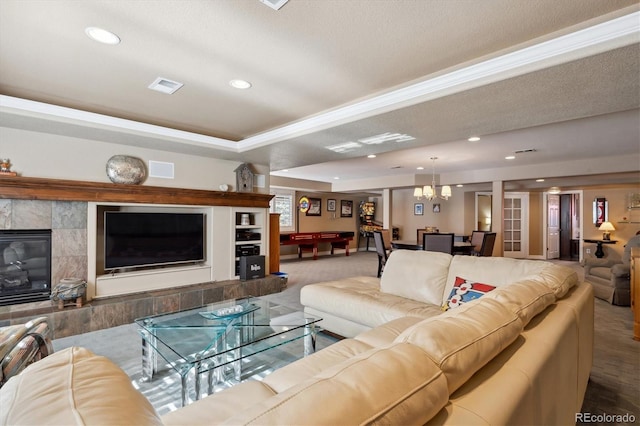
{"points": [[24, 188]]}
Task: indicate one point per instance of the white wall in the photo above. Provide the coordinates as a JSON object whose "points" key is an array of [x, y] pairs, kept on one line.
{"points": [[43, 155], [450, 219]]}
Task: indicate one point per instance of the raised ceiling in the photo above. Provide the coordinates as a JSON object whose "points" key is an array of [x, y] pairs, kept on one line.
{"points": [[312, 64]]}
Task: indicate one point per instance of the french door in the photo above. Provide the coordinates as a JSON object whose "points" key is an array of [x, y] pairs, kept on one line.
{"points": [[516, 225]]}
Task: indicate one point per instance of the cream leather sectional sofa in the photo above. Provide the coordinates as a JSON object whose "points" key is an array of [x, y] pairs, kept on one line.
{"points": [[520, 354]]}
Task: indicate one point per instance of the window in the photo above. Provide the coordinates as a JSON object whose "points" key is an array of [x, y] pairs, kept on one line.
{"points": [[283, 203]]}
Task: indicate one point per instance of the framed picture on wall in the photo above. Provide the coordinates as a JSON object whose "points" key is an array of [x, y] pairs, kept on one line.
{"points": [[331, 205], [436, 208], [418, 209], [315, 205], [346, 208]]}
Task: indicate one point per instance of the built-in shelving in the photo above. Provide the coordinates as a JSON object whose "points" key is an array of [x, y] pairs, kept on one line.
{"points": [[250, 227]]}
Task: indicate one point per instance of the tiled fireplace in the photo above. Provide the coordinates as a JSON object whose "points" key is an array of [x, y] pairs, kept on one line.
{"points": [[25, 265], [67, 221]]}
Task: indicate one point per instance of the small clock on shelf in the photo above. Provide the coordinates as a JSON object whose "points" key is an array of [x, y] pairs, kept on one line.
{"points": [[244, 178]]}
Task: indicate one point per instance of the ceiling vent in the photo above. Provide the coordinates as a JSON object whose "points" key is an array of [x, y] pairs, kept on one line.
{"points": [[524, 151], [274, 4], [165, 85]]}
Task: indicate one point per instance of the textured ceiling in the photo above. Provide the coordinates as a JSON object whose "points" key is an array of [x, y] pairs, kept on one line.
{"points": [[313, 57]]}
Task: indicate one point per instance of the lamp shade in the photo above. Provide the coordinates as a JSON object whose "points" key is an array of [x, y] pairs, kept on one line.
{"points": [[417, 192], [446, 191], [607, 226], [428, 191]]}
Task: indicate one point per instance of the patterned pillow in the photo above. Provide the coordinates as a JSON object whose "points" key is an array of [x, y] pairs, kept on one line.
{"points": [[464, 291]]}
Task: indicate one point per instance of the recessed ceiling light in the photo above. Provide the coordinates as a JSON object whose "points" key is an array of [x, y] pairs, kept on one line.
{"points": [[459, 185], [285, 170], [371, 156], [419, 168], [473, 139], [337, 177], [240, 84], [539, 180], [510, 157], [102, 36]]}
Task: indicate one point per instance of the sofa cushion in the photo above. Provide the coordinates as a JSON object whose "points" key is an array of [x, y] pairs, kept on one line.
{"points": [[601, 273], [462, 340], [74, 386], [218, 407], [497, 271], [395, 385], [385, 334], [417, 275], [307, 367], [558, 278], [465, 291], [525, 298], [360, 300]]}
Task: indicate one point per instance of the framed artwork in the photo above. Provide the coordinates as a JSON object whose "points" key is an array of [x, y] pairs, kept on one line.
{"points": [[436, 208], [418, 209], [600, 211], [315, 207], [346, 208], [331, 205]]}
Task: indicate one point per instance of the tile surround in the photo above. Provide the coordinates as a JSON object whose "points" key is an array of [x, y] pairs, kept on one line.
{"points": [[99, 314], [68, 222]]}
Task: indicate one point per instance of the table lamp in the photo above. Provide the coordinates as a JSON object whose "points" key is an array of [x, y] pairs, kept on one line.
{"points": [[607, 227]]}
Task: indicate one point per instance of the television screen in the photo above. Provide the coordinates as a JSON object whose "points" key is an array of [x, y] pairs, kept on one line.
{"points": [[135, 239]]}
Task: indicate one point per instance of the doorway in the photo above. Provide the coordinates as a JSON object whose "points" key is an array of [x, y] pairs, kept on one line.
{"points": [[515, 228], [563, 226]]}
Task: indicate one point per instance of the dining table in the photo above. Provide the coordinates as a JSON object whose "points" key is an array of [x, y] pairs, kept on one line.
{"points": [[462, 247]]}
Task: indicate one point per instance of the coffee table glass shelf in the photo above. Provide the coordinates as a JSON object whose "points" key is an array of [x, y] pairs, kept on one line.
{"points": [[216, 340]]}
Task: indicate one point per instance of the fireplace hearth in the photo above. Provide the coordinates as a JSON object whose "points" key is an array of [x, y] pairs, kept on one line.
{"points": [[25, 266]]}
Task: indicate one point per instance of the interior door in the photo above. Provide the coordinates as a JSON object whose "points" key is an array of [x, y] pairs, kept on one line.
{"points": [[565, 226], [516, 225], [553, 226]]}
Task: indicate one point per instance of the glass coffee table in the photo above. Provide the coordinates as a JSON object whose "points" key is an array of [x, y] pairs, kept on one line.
{"points": [[215, 339]]}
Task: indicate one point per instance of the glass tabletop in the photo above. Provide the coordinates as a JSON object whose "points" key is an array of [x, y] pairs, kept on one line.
{"points": [[222, 333]]}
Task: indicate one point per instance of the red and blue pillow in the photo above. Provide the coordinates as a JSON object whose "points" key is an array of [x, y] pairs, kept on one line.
{"points": [[465, 291]]}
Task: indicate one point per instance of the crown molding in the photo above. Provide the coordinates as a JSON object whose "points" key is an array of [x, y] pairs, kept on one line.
{"points": [[596, 39]]}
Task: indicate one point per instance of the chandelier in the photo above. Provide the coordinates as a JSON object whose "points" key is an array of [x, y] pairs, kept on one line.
{"points": [[429, 192]]}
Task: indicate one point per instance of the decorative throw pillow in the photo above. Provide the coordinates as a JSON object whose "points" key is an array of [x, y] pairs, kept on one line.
{"points": [[464, 291]]}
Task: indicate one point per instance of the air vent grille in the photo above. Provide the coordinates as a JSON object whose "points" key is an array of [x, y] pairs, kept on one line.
{"points": [[524, 151], [164, 85]]}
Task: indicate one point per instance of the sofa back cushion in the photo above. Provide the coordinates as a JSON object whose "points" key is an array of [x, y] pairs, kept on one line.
{"points": [[418, 275], [525, 298], [495, 271], [74, 386], [463, 340], [395, 385]]}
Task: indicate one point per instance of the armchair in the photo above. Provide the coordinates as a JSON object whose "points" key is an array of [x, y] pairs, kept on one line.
{"points": [[611, 277], [23, 344]]}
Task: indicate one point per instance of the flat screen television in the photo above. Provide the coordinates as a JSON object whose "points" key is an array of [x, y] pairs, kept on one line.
{"points": [[140, 239]]}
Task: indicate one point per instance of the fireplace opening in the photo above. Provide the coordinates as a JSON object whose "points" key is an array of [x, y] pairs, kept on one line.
{"points": [[25, 266]]}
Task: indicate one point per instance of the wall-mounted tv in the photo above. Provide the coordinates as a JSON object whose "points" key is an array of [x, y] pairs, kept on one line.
{"points": [[141, 239]]}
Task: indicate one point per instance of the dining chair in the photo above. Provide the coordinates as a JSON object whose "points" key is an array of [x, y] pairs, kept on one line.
{"points": [[383, 255], [386, 238], [438, 242], [476, 241], [486, 249]]}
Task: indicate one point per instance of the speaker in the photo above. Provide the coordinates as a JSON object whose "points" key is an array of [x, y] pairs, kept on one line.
{"points": [[251, 267]]}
